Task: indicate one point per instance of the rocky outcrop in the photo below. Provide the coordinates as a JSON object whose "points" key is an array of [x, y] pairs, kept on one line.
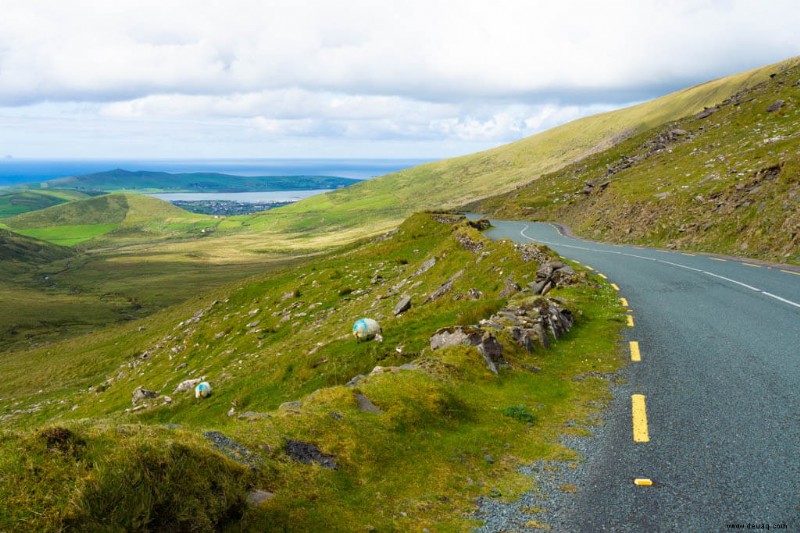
{"points": [[529, 325], [308, 453], [551, 275], [486, 342], [403, 305], [444, 288], [141, 394]]}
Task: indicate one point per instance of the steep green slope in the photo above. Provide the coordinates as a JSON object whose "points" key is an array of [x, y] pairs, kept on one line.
{"points": [[17, 203], [19, 253], [394, 449], [125, 180], [380, 203], [121, 217], [725, 180]]}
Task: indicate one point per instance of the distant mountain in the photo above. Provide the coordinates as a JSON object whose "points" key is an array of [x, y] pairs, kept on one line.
{"points": [[124, 180]]}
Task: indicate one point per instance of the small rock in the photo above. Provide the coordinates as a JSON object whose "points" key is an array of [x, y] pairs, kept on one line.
{"points": [[336, 416], [366, 405], [403, 305], [181, 366], [308, 453], [257, 497], [187, 385], [232, 411], [141, 394], [489, 459], [775, 107], [290, 406]]}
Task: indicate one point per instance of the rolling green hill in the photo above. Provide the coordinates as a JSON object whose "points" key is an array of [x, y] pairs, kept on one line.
{"points": [[378, 204], [146, 181], [19, 202], [124, 217], [18, 252], [724, 180]]}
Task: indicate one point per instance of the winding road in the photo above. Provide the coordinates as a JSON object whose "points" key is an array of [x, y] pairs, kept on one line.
{"points": [[710, 409]]}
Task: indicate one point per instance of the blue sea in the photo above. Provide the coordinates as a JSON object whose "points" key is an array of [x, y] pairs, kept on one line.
{"points": [[14, 171]]}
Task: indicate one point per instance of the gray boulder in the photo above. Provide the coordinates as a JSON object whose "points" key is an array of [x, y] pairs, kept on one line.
{"points": [[141, 394], [403, 305]]}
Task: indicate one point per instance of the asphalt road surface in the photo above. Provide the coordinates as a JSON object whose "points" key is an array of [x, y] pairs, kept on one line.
{"points": [[711, 411]]}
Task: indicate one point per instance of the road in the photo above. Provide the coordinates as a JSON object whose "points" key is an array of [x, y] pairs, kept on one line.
{"points": [[718, 382]]}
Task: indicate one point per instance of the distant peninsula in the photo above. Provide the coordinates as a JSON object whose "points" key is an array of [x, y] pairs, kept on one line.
{"points": [[142, 181]]}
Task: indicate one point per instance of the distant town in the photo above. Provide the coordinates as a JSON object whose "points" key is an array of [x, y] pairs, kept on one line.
{"points": [[226, 207]]}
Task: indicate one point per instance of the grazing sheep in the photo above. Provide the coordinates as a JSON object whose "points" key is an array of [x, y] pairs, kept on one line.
{"points": [[202, 390], [366, 329]]}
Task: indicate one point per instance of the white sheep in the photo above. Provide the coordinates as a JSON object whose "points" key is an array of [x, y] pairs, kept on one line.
{"points": [[366, 329], [202, 390]]}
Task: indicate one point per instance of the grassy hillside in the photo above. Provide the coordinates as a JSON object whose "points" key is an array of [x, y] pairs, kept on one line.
{"points": [[411, 447], [123, 216], [146, 181], [726, 180], [126, 268], [16, 203], [375, 205]]}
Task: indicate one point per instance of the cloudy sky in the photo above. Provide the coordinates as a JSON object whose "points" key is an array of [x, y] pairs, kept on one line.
{"points": [[338, 79]]}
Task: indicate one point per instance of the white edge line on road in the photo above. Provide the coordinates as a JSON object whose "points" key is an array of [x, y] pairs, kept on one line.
{"points": [[745, 285]]}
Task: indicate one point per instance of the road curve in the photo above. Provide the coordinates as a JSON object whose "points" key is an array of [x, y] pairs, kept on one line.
{"points": [[719, 380]]}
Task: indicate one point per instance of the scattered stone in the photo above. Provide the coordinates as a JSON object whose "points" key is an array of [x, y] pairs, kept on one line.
{"points": [[354, 381], [468, 243], [336, 416], [489, 459], [257, 497], [486, 342], [181, 367], [140, 394], [444, 288], [232, 411], [705, 113], [187, 385], [403, 305], [365, 404], [232, 449], [510, 288], [290, 406], [775, 107], [308, 453], [474, 294], [427, 265], [168, 399]]}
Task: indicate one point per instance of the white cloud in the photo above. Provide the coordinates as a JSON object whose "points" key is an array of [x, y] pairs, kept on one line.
{"points": [[430, 70]]}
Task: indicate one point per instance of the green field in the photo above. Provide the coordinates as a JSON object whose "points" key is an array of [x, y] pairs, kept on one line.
{"points": [[17, 203]]}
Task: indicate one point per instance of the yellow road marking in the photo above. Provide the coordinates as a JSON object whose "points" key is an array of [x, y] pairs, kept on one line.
{"points": [[790, 272], [717, 259], [614, 286], [640, 433], [751, 265], [643, 482], [630, 321], [602, 275], [624, 302], [636, 355]]}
